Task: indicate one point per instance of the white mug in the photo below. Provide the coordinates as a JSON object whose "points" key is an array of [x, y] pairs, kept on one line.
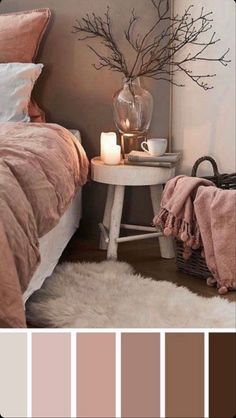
{"points": [[155, 146]]}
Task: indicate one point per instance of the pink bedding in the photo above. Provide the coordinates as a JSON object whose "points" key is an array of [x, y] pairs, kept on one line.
{"points": [[40, 169]]}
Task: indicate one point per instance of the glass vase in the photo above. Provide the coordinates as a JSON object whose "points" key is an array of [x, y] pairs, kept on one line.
{"points": [[132, 111]]}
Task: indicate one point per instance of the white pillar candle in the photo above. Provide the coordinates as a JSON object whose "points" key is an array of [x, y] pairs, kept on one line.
{"points": [[107, 139], [112, 155]]}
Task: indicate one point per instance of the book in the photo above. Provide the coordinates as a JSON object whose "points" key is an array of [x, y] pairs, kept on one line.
{"points": [[141, 156], [149, 163]]}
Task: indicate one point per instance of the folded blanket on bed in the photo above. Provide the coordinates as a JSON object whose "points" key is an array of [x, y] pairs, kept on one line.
{"points": [[40, 170], [195, 211], [216, 216]]}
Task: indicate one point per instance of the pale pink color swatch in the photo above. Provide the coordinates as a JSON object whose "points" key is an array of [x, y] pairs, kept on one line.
{"points": [[51, 375], [96, 375]]}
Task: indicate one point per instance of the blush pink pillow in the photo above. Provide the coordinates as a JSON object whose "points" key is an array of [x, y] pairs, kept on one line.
{"points": [[36, 114], [21, 34]]}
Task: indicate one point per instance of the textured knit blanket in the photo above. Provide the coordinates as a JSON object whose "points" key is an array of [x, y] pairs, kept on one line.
{"points": [[194, 210], [216, 216]]}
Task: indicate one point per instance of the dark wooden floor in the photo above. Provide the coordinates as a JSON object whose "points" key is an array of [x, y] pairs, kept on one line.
{"points": [[144, 256]]}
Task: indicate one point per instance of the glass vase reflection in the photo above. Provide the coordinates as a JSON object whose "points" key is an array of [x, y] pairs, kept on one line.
{"points": [[132, 110]]}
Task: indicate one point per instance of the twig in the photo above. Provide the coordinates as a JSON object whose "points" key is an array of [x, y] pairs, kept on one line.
{"points": [[159, 53]]}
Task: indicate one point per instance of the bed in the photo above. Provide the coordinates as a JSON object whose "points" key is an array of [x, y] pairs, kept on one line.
{"points": [[54, 242], [43, 167]]}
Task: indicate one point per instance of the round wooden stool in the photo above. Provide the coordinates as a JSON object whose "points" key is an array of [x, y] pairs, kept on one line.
{"points": [[117, 177]]}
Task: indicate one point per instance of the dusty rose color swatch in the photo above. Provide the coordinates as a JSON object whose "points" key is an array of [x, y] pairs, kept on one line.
{"points": [[140, 375], [184, 375], [96, 375], [51, 375]]}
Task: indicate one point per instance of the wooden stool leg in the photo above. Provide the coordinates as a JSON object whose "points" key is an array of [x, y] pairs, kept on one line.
{"points": [[116, 214], [166, 243], [103, 245]]}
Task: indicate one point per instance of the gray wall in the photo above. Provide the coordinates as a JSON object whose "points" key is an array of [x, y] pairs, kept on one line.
{"points": [[75, 95]]}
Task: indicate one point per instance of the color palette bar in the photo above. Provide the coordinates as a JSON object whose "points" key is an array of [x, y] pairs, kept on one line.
{"points": [[51, 389], [96, 364], [184, 375], [13, 375], [117, 374], [140, 375], [222, 375]]}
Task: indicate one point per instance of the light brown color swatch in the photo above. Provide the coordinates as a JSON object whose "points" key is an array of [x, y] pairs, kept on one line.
{"points": [[140, 375], [96, 375], [13, 375], [51, 375], [184, 375]]}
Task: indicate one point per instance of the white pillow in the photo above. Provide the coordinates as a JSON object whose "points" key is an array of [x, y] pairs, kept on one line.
{"points": [[16, 84]]}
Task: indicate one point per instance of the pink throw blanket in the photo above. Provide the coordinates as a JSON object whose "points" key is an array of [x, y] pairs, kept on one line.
{"points": [[192, 210], [41, 166], [216, 216], [176, 216]]}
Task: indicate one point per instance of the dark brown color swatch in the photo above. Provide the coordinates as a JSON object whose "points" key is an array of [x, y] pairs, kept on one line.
{"points": [[222, 375], [184, 375], [140, 375]]}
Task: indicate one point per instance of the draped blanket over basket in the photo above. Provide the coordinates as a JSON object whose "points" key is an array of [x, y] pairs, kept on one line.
{"points": [[196, 212], [176, 216], [216, 216]]}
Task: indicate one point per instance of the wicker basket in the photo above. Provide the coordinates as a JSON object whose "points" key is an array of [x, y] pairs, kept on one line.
{"points": [[196, 265]]}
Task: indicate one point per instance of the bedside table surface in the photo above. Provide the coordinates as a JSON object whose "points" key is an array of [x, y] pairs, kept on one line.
{"points": [[129, 175]]}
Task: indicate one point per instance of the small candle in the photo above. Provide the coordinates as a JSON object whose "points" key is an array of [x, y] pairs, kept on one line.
{"points": [[108, 139], [112, 155], [127, 124]]}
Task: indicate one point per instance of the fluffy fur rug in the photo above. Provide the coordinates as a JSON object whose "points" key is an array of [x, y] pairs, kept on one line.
{"points": [[110, 294]]}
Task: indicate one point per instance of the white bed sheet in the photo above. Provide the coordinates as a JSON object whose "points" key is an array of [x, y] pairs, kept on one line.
{"points": [[54, 242]]}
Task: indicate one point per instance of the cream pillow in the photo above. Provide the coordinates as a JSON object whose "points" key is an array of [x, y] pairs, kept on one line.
{"points": [[16, 84]]}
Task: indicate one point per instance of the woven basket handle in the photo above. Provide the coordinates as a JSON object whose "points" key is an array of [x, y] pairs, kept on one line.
{"points": [[200, 160]]}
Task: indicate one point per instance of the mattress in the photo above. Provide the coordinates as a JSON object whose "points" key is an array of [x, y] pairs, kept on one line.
{"points": [[54, 242]]}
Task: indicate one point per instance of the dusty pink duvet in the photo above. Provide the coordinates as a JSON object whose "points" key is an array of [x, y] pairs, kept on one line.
{"points": [[40, 170]]}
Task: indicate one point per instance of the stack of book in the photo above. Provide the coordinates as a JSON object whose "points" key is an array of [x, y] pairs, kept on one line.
{"points": [[167, 160]]}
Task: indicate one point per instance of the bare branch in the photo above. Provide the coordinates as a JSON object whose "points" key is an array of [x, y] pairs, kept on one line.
{"points": [[160, 53], [97, 27], [167, 79], [128, 31]]}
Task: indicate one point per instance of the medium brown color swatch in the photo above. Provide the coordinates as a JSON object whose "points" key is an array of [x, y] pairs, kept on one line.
{"points": [[184, 375], [222, 375], [96, 375], [140, 375]]}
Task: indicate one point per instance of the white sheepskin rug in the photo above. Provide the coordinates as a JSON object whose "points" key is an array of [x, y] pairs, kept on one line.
{"points": [[110, 295]]}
